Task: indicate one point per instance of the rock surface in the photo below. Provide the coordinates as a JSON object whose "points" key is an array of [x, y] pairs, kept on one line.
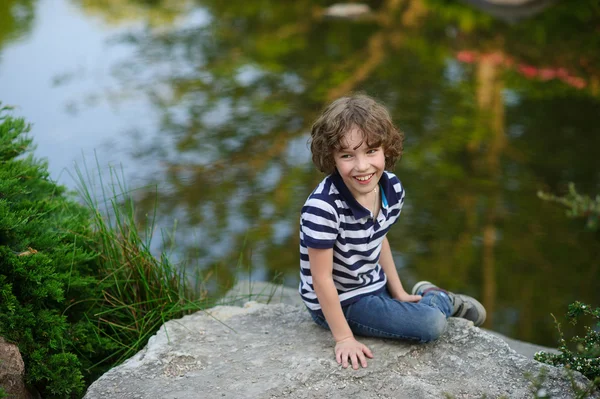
{"points": [[12, 370], [265, 292], [262, 292], [276, 351]]}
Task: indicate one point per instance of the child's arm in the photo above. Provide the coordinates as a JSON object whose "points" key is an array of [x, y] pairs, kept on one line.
{"points": [[393, 284], [346, 347]]}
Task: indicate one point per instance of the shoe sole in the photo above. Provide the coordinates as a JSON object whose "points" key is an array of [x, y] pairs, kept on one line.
{"points": [[480, 309]]}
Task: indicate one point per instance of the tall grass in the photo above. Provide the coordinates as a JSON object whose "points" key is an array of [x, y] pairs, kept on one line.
{"points": [[140, 291]]}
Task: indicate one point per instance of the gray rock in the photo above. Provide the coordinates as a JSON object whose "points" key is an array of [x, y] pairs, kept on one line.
{"points": [[276, 351], [12, 371], [526, 349], [262, 292], [265, 292]]}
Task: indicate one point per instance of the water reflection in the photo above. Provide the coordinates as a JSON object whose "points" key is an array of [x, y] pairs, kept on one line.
{"points": [[155, 13], [236, 91], [16, 18]]}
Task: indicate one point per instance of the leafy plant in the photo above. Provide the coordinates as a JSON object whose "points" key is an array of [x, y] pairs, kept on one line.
{"points": [[586, 356]]}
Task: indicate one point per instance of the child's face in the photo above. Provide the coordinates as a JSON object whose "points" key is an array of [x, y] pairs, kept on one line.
{"points": [[361, 167]]}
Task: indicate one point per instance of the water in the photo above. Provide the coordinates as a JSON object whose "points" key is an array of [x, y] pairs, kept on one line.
{"points": [[208, 105]]}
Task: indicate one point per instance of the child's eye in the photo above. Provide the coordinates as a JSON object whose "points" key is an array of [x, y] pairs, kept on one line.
{"points": [[372, 150], [345, 156]]}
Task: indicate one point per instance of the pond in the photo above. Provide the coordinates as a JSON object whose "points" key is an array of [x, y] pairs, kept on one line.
{"points": [[206, 107]]}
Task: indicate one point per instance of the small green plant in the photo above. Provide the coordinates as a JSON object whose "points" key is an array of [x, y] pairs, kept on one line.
{"points": [[579, 206], [586, 356], [139, 291]]}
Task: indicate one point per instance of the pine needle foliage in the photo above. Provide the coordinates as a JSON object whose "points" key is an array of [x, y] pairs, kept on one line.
{"points": [[46, 268]]}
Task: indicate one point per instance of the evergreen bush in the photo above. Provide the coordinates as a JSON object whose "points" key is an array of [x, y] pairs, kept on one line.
{"points": [[80, 290], [47, 271]]}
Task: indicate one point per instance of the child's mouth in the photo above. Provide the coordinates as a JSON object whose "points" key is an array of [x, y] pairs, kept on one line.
{"points": [[364, 179]]}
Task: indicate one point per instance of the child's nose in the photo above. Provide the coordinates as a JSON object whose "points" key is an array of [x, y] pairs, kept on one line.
{"points": [[361, 163]]}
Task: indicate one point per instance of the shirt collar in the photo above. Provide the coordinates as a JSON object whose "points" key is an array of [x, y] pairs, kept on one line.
{"points": [[359, 211]]}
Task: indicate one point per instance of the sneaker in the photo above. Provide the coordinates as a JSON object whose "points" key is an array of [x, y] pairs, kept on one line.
{"points": [[464, 306]]}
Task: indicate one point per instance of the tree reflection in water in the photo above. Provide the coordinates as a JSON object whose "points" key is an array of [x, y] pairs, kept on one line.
{"points": [[16, 18]]}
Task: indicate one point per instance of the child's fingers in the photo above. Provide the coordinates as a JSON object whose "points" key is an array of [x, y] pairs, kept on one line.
{"points": [[354, 355], [345, 360], [362, 359], [354, 360]]}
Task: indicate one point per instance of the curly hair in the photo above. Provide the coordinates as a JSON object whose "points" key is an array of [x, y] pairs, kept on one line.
{"points": [[355, 111]]}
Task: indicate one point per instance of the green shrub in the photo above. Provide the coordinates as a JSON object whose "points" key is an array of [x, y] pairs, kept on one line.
{"points": [[585, 358], [47, 271], [80, 290]]}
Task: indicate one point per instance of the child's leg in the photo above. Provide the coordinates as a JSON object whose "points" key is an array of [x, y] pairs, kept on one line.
{"points": [[381, 316]]}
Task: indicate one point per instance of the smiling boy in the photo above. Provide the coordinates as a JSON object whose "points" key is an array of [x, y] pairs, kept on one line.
{"points": [[349, 281]]}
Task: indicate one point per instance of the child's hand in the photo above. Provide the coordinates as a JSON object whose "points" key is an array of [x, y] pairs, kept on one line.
{"points": [[406, 297], [350, 348]]}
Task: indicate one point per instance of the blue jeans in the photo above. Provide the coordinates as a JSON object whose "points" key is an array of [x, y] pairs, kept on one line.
{"points": [[379, 315]]}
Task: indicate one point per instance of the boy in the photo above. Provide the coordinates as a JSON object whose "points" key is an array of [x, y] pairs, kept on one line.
{"points": [[349, 282]]}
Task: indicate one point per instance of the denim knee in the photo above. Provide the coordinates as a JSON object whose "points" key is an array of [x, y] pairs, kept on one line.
{"points": [[318, 318], [434, 324]]}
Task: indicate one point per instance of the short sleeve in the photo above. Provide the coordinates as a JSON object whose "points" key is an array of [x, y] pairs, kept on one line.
{"points": [[397, 189], [319, 224]]}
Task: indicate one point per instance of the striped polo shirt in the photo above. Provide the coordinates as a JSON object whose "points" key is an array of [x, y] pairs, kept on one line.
{"points": [[332, 218]]}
